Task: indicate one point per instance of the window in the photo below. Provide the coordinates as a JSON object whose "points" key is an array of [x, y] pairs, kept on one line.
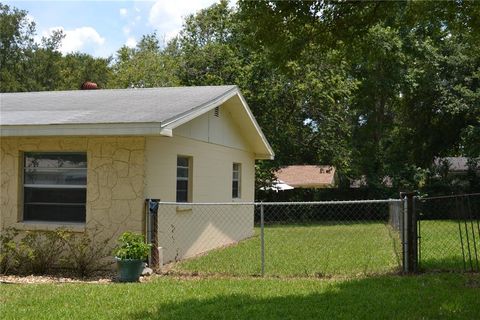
{"points": [[236, 180], [54, 186], [183, 179]]}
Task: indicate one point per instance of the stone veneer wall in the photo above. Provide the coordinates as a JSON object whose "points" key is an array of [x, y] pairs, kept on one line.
{"points": [[115, 182]]}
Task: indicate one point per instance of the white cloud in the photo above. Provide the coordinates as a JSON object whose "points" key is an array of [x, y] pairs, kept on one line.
{"points": [[123, 12], [167, 16], [77, 39], [131, 42], [126, 30]]}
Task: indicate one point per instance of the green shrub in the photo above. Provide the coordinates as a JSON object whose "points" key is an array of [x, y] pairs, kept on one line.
{"points": [[85, 254], [8, 246], [38, 251], [132, 246]]}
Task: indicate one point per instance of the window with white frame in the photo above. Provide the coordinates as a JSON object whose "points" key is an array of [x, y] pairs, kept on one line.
{"points": [[183, 179], [236, 180], [54, 186]]}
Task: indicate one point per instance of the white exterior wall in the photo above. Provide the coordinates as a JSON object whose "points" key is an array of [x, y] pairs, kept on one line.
{"points": [[214, 144]]}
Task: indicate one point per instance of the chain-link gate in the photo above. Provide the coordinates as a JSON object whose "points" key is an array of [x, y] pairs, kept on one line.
{"points": [[449, 233]]}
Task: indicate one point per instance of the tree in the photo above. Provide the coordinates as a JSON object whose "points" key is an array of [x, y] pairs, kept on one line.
{"points": [[206, 49], [16, 38], [76, 68], [414, 69], [144, 66], [30, 66]]}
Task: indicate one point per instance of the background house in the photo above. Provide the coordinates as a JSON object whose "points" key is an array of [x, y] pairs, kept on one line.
{"points": [[454, 166], [308, 176], [87, 159]]}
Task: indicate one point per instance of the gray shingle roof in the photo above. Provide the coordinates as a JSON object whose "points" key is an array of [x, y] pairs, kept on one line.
{"points": [[106, 106]]}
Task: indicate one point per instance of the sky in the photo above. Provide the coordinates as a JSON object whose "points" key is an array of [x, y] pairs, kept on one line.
{"points": [[100, 28]]}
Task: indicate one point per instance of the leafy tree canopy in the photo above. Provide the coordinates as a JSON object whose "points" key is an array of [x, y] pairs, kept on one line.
{"points": [[377, 89]]}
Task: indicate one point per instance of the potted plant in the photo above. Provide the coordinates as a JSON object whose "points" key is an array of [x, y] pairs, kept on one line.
{"points": [[130, 254]]}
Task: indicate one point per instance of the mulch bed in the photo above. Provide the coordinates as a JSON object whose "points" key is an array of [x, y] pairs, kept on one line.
{"points": [[64, 277]]}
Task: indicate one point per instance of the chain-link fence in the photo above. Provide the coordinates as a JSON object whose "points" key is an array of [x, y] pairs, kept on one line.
{"points": [[311, 239], [449, 232]]}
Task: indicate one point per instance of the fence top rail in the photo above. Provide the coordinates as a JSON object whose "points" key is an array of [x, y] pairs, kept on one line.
{"points": [[186, 204], [450, 196]]}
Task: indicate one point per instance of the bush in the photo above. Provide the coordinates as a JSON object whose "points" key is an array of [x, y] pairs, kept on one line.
{"points": [[132, 246], [85, 254], [38, 251], [8, 246]]}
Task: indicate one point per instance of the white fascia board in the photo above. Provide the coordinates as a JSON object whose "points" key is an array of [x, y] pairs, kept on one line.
{"points": [[271, 154], [166, 132], [264, 156], [93, 129]]}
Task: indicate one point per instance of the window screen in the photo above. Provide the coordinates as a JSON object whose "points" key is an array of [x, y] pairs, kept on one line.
{"points": [[183, 177], [54, 186], [236, 173]]}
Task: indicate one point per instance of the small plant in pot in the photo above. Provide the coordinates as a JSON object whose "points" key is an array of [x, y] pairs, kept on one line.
{"points": [[130, 254]]}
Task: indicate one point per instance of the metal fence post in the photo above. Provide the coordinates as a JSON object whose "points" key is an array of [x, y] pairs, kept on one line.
{"points": [[405, 235], [410, 251], [262, 238], [152, 231]]}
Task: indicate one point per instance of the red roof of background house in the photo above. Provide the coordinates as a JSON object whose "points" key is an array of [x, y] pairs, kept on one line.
{"points": [[307, 176]]}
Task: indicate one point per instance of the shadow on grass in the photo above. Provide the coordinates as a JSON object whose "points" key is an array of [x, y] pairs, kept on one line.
{"points": [[385, 297]]}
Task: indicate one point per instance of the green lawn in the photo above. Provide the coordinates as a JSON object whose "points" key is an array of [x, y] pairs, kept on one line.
{"points": [[430, 296], [441, 246], [307, 250]]}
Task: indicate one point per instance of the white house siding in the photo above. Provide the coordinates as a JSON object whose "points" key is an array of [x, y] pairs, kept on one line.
{"points": [[221, 130], [214, 144]]}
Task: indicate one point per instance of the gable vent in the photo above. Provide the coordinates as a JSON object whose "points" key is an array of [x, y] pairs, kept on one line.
{"points": [[216, 112]]}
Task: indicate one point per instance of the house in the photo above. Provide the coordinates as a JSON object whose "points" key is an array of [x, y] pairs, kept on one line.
{"points": [[307, 176], [454, 166], [88, 159], [362, 182]]}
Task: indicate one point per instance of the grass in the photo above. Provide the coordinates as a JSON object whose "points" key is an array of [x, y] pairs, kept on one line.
{"points": [[307, 250], [441, 245], [291, 250], [430, 296]]}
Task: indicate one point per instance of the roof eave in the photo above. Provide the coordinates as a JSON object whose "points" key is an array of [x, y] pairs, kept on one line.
{"points": [[93, 129]]}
